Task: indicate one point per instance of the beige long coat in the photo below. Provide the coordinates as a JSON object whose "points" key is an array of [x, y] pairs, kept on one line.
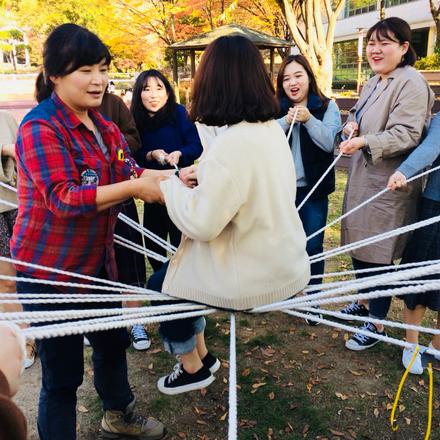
{"points": [[392, 115]]}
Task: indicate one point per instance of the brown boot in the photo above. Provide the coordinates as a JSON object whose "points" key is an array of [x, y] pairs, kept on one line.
{"points": [[121, 425]]}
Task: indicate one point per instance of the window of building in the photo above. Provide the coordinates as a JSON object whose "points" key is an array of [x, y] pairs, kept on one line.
{"points": [[357, 7]]}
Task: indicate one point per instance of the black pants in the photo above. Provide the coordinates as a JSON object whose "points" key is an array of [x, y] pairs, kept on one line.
{"points": [[131, 264], [156, 219], [379, 307]]}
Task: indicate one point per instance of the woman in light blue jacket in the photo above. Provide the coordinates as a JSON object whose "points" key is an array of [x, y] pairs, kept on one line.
{"points": [[425, 242]]}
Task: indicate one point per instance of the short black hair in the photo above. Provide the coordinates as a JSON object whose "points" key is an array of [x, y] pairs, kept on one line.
{"points": [[67, 48], [395, 29], [232, 85], [140, 114]]}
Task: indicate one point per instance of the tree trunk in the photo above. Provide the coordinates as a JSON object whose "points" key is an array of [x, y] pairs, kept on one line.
{"points": [[435, 12], [324, 76]]}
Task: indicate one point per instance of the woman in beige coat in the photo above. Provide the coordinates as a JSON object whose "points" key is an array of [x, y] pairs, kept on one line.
{"points": [[388, 122]]}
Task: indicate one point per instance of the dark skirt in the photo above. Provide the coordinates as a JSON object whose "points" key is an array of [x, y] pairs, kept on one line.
{"points": [[424, 245]]}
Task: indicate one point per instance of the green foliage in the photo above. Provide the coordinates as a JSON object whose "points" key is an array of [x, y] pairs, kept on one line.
{"points": [[430, 62]]}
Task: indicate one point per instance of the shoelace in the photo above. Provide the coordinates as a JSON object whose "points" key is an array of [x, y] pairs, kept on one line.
{"points": [[139, 332], [178, 370], [368, 326], [137, 419], [353, 307]]}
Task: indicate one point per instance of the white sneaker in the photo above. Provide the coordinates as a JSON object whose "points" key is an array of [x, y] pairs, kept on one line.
{"points": [[416, 367], [31, 351], [431, 346]]}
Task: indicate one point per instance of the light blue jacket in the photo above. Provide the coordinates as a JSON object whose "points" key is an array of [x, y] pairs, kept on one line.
{"points": [[425, 154]]}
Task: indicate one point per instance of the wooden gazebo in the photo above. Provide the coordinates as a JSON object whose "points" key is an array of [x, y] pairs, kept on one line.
{"points": [[199, 43]]}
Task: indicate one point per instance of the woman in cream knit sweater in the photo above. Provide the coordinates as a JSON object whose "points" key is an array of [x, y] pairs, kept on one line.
{"points": [[243, 243]]}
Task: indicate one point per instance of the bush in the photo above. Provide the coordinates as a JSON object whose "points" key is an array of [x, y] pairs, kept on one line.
{"points": [[430, 62]]}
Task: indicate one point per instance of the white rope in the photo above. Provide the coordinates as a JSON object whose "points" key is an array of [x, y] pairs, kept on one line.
{"points": [[122, 241], [58, 315], [383, 191], [386, 323], [126, 287], [12, 205], [319, 181], [373, 239], [84, 327], [65, 299], [233, 426], [379, 293], [350, 329], [130, 289], [292, 124], [325, 174], [374, 269], [362, 283], [147, 233], [5, 185]]}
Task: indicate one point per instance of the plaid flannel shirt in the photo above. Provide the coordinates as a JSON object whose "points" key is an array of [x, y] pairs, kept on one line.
{"points": [[60, 164]]}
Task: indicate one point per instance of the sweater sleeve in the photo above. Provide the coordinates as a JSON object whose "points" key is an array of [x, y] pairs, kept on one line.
{"points": [[191, 147], [12, 421], [426, 153], [203, 212], [323, 133], [405, 123]]}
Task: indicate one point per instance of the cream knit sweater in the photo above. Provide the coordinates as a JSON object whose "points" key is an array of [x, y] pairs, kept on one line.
{"points": [[243, 243]]}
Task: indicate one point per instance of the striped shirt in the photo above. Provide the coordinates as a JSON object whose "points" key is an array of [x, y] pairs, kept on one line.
{"points": [[60, 164]]}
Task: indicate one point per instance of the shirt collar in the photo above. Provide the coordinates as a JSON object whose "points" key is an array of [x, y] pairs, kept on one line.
{"points": [[72, 121]]}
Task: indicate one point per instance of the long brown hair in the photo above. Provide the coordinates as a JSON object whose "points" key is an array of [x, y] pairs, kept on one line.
{"points": [[232, 85], [313, 85]]}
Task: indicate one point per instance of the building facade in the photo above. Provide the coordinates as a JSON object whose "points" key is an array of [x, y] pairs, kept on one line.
{"points": [[358, 16]]}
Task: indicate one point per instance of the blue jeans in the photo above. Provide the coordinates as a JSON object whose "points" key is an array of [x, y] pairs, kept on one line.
{"points": [[179, 336], [314, 217], [62, 364], [379, 307]]}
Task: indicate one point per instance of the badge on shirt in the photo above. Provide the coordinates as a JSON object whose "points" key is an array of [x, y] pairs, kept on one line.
{"points": [[89, 177], [120, 153]]}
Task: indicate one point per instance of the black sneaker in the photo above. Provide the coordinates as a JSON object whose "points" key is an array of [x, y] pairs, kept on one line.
{"points": [[211, 363], [180, 381], [359, 341], [354, 309], [311, 321], [140, 338]]}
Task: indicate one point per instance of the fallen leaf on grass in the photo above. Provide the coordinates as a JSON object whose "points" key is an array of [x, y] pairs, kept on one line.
{"points": [[203, 392], [181, 435], [82, 409], [335, 335], [150, 366], [389, 406], [402, 408], [246, 372], [376, 413], [341, 396], [255, 386], [201, 422], [306, 429], [337, 433], [408, 420], [355, 373], [223, 417], [271, 395]]}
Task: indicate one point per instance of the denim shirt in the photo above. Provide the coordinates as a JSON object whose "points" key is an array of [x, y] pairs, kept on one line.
{"points": [[424, 155], [323, 134]]}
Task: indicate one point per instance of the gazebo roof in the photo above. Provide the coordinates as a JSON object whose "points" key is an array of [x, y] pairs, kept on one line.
{"points": [[260, 39]]}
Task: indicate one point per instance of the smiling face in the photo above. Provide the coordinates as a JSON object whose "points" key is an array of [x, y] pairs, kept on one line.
{"points": [[384, 53], [84, 87], [296, 83], [154, 95]]}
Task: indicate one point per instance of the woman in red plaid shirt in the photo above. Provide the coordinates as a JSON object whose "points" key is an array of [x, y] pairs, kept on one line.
{"points": [[74, 169]]}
